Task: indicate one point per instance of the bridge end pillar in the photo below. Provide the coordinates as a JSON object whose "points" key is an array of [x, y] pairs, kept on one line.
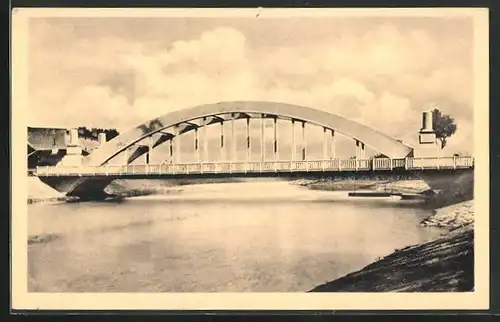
{"points": [[427, 142], [73, 157]]}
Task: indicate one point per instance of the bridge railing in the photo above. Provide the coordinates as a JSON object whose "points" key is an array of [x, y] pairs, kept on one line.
{"points": [[377, 164]]}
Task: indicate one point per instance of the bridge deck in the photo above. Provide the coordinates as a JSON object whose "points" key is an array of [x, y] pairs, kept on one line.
{"points": [[334, 165]]}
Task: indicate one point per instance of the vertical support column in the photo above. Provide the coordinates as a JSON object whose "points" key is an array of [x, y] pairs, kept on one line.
{"points": [[197, 144], [222, 141], [171, 149], [325, 145], [249, 148], [361, 150], [205, 140], [233, 134], [332, 146], [275, 127], [293, 140], [150, 144], [262, 141], [177, 154], [304, 143]]}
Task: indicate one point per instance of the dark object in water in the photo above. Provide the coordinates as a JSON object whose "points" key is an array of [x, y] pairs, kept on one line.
{"points": [[370, 194], [414, 197]]}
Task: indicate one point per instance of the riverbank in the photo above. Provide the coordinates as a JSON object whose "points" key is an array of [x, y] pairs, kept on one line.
{"points": [[401, 186], [39, 192], [445, 264]]}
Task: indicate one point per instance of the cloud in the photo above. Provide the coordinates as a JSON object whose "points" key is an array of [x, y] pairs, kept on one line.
{"points": [[382, 75]]}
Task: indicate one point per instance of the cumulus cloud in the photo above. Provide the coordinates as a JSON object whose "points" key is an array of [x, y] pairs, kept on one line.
{"points": [[382, 75]]}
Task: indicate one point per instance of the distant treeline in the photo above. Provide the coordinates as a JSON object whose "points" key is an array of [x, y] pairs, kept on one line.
{"points": [[92, 134]]}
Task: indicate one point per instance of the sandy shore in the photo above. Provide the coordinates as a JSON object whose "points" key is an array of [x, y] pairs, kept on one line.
{"points": [[454, 216], [445, 264], [403, 186]]}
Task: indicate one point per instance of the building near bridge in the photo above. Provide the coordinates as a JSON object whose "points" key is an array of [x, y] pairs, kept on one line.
{"points": [[47, 146]]}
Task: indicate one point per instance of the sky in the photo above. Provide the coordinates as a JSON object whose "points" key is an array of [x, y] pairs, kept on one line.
{"points": [[382, 72]]}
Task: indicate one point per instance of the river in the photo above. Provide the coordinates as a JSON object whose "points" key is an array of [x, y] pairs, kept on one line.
{"points": [[256, 236]]}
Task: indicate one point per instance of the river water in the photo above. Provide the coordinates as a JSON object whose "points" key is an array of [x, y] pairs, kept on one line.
{"points": [[227, 237]]}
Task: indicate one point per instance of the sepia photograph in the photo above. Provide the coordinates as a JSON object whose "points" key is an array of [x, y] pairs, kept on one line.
{"points": [[250, 158]]}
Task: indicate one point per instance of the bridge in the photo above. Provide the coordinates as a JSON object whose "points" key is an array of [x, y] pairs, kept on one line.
{"points": [[118, 158], [255, 168]]}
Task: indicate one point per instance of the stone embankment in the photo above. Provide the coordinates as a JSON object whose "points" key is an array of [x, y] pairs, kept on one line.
{"points": [[445, 264]]}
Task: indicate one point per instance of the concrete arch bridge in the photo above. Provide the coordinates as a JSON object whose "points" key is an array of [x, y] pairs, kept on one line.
{"points": [[88, 176]]}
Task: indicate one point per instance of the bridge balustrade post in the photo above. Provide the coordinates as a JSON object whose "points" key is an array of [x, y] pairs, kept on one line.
{"points": [[390, 163]]}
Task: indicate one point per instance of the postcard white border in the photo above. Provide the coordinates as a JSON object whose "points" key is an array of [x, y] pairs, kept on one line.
{"points": [[22, 299]]}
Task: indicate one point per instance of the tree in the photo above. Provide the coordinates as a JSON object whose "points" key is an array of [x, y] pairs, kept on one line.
{"points": [[380, 156], [444, 126]]}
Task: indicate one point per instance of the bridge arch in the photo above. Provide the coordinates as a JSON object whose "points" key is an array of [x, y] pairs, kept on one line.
{"points": [[185, 120]]}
